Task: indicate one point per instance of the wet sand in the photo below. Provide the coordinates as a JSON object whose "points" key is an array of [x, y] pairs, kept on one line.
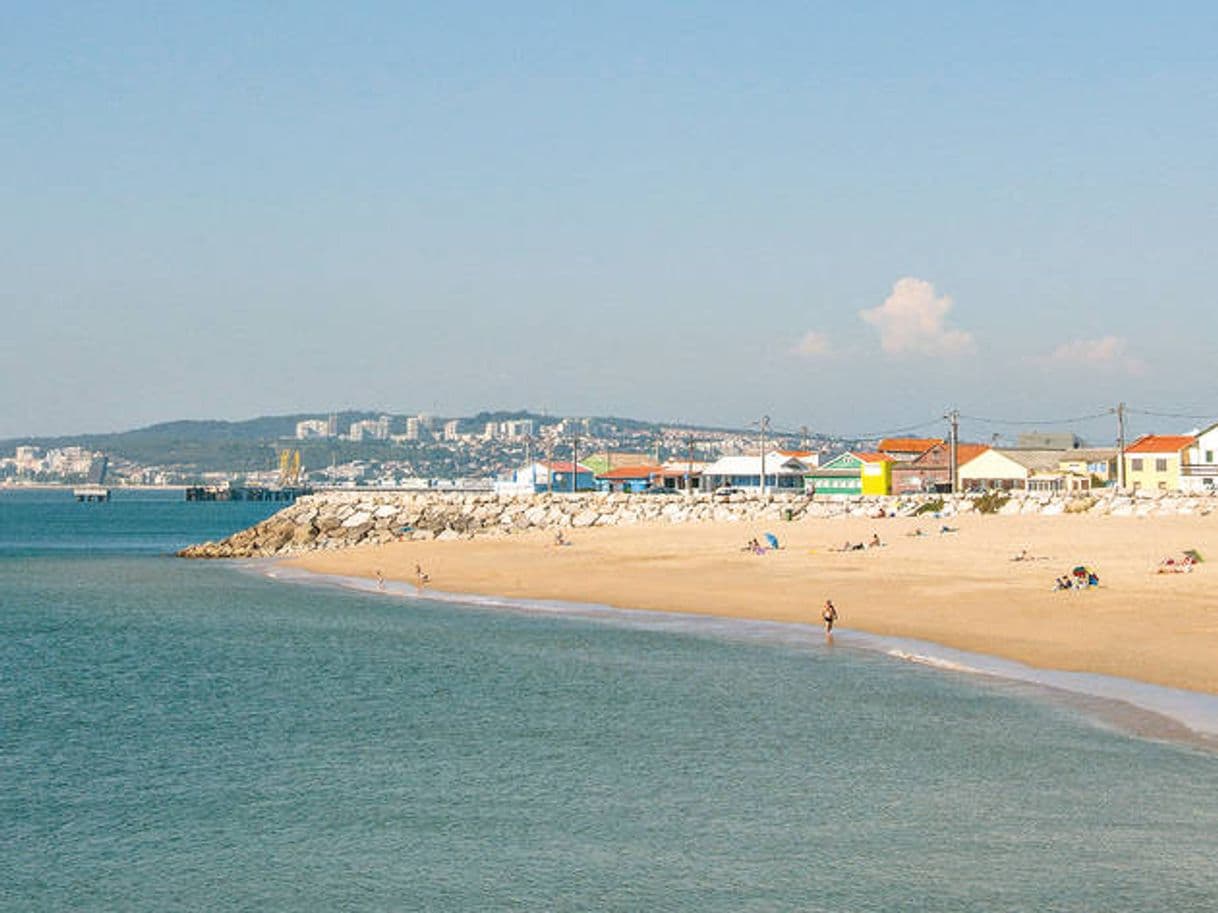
{"points": [[960, 589]]}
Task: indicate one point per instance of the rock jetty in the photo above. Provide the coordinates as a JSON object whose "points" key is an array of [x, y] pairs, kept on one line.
{"points": [[334, 519]]}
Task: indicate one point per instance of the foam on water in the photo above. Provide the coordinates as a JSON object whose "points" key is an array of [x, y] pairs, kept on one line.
{"points": [[1128, 704]]}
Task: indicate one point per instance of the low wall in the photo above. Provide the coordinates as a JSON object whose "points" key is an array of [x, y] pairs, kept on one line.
{"points": [[342, 519]]}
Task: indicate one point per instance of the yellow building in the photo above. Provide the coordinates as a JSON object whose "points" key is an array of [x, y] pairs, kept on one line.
{"points": [[1096, 464], [875, 472], [1153, 461]]}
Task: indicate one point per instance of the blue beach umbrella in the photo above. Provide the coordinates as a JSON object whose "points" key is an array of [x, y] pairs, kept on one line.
{"points": [[772, 539]]}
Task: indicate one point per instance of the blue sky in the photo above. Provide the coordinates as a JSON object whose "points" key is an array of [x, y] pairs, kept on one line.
{"points": [[670, 211]]}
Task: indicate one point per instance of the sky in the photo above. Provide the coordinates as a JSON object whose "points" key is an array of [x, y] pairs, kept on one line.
{"points": [[847, 216]]}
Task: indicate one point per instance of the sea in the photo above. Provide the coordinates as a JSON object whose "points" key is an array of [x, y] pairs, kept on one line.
{"points": [[224, 736]]}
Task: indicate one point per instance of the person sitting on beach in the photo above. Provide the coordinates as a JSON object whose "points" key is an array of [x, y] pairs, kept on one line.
{"points": [[1022, 556], [917, 531], [1062, 583], [875, 541], [1170, 565], [948, 529], [560, 539], [421, 578]]}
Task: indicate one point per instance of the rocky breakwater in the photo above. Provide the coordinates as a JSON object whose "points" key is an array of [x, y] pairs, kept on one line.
{"points": [[341, 519]]}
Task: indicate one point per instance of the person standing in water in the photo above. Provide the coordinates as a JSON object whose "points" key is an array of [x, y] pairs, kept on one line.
{"points": [[829, 615], [380, 579]]}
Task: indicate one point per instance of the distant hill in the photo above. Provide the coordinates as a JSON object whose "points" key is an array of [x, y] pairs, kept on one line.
{"points": [[252, 444]]}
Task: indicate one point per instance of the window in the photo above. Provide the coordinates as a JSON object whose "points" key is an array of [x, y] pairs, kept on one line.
{"points": [[1135, 465], [1209, 456], [1160, 465], [1162, 486]]}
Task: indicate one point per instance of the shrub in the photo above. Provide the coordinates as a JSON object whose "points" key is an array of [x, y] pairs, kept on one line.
{"points": [[991, 502], [930, 507]]}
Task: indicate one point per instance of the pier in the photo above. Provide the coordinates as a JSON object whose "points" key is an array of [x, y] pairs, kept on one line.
{"points": [[246, 492], [91, 493]]}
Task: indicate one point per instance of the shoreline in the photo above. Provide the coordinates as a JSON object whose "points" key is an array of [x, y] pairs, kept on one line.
{"points": [[960, 590], [1135, 708]]}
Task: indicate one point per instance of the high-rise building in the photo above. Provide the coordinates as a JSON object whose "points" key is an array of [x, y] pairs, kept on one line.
{"points": [[369, 429], [311, 428], [450, 429], [518, 428]]}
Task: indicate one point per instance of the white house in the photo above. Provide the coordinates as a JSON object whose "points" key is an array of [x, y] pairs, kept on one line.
{"points": [[1011, 468], [1200, 472], [782, 473], [536, 477]]}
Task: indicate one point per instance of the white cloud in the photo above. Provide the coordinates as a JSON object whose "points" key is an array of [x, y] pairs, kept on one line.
{"points": [[911, 320], [812, 344], [1106, 351]]}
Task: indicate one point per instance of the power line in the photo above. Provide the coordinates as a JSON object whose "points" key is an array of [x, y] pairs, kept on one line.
{"points": [[1050, 421], [1169, 414], [862, 436]]}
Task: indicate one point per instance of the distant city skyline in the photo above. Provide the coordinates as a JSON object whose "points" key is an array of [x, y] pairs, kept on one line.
{"points": [[834, 216]]}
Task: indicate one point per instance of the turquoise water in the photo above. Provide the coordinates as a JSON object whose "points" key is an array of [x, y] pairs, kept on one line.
{"points": [[188, 736]]}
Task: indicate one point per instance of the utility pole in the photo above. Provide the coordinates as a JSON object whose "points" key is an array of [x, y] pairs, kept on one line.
{"points": [[574, 461], [528, 461], [764, 426], [1120, 414], [954, 417], [689, 471]]}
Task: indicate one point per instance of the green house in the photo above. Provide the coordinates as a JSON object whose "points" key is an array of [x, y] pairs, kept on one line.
{"points": [[851, 474]]}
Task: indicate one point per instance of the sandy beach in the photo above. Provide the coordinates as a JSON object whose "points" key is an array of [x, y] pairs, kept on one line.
{"points": [[960, 589]]}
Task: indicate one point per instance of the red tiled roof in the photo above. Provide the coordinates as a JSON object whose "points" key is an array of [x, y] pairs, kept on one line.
{"points": [[1160, 443], [565, 466], [798, 454], [632, 472], [908, 444], [966, 452], [868, 457]]}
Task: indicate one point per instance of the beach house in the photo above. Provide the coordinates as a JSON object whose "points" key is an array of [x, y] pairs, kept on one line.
{"points": [[931, 470], [905, 451], [1097, 464], [628, 478], [1010, 468], [782, 474], [852, 473], [681, 475], [1200, 471], [555, 475], [1155, 461]]}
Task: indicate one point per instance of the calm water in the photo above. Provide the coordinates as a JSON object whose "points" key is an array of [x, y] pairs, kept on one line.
{"points": [[184, 736]]}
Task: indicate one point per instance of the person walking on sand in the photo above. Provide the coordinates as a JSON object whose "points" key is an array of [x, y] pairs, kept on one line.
{"points": [[829, 615], [420, 577]]}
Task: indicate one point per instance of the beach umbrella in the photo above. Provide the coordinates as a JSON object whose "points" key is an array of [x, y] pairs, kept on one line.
{"points": [[772, 539], [1194, 554]]}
